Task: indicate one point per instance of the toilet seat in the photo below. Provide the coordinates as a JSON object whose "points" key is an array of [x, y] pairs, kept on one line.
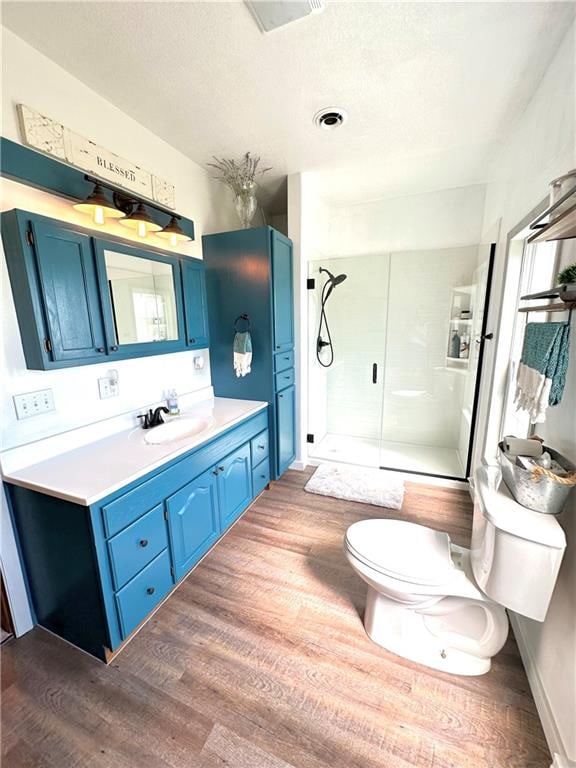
{"points": [[402, 550]]}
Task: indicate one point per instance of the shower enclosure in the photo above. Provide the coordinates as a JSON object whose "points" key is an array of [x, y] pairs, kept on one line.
{"points": [[395, 349]]}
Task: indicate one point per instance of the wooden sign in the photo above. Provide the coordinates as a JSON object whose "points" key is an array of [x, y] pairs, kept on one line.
{"points": [[52, 138]]}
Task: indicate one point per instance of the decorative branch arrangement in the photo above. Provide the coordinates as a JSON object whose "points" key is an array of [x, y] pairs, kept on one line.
{"points": [[239, 176]]}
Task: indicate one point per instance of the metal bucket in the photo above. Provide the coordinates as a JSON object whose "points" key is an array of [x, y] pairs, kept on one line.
{"points": [[546, 495]]}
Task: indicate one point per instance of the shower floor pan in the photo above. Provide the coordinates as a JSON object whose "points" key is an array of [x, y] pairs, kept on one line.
{"points": [[402, 456]]}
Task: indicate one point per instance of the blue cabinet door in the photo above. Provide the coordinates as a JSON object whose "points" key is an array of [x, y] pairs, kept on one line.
{"points": [[282, 290], [286, 428], [234, 485], [195, 305], [193, 521], [69, 286]]}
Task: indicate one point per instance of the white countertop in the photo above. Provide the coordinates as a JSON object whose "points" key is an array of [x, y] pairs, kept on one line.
{"points": [[91, 472]]}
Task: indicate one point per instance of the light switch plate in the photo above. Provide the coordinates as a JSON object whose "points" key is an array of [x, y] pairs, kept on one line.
{"points": [[108, 387], [34, 403]]}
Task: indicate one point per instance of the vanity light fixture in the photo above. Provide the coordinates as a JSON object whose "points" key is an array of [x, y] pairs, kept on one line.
{"points": [[140, 221], [173, 233], [98, 206]]}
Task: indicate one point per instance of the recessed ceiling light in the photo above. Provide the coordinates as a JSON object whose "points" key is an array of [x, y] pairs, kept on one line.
{"points": [[330, 118]]}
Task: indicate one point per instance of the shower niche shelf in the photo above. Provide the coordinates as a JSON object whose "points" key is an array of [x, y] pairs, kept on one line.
{"points": [[461, 301]]}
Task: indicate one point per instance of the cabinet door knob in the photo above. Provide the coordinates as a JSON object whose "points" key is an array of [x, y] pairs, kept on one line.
{"points": [[114, 348], [143, 542], [215, 472], [150, 591], [261, 447], [263, 477], [100, 349], [280, 395], [191, 341], [221, 469]]}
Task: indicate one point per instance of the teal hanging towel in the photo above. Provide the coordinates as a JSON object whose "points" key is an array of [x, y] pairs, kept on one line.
{"points": [[542, 369]]}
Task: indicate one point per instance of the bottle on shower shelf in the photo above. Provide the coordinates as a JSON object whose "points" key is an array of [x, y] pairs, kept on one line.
{"points": [[455, 345], [464, 346]]}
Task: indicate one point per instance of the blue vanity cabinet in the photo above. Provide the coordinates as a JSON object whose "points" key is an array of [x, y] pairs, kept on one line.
{"points": [[250, 272], [193, 521], [286, 415], [282, 292], [83, 299], [96, 573], [234, 485], [195, 303], [54, 282]]}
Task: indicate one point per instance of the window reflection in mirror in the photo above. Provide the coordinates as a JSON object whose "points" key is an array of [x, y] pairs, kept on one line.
{"points": [[143, 298]]}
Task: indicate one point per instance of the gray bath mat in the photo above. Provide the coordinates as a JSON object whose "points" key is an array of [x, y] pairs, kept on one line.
{"points": [[367, 485]]}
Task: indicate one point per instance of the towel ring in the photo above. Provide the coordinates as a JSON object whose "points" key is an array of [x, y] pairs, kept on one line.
{"points": [[244, 318]]}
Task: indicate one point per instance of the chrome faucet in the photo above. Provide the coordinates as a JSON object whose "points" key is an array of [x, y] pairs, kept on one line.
{"points": [[153, 418]]}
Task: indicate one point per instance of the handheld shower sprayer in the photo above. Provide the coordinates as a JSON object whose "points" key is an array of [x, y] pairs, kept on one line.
{"points": [[327, 288]]}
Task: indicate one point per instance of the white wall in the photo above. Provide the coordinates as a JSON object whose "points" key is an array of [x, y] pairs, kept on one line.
{"points": [[29, 77], [541, 146]]}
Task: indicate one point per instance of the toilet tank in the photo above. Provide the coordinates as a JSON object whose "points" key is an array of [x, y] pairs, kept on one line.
{"points": [[515, 553]]}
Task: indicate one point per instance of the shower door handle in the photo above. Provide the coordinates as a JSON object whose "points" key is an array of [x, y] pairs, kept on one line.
{"points": [[374, 373]]}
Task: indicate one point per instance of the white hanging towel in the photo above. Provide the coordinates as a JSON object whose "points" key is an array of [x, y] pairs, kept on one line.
{"points": [[242, 353]]}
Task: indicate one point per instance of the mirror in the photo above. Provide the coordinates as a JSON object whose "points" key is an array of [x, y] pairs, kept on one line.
{"points": [[143, 298]]}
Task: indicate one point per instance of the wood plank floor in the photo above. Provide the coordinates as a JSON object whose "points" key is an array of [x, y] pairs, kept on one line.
{"points": [[260, 660]]}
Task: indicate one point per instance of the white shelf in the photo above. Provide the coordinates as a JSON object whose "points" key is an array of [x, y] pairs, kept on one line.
{"points": [[458, 359], [464, 288], [461, 321]]}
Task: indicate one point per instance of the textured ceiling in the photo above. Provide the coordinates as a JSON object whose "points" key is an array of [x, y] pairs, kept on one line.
{"points": [[430, 88]]}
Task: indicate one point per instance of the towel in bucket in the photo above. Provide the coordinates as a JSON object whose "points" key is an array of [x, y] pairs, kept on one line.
{"points": [[542, 369], [242, 353]]}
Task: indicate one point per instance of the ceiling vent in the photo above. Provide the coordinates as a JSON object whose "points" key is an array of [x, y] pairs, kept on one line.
{"points": [[271, 14], [330, 118]]}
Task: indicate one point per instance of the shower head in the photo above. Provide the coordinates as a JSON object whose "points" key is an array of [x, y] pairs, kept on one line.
{"points": [[334, 279]]}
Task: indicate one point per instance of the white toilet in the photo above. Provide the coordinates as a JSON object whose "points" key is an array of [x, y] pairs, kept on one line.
{"points": [[442, 605]]}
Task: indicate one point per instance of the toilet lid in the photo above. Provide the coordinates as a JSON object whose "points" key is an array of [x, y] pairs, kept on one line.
{"points": [[406, 551]]}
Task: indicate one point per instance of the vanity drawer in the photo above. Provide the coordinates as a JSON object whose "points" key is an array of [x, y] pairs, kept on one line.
{"points": [[141, 595], [284, 379], [260, 477], [259, 448], [132, 505], [136, 546], [283, 360]]}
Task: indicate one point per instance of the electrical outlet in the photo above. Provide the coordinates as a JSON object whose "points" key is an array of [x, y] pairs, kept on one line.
{"points": [[108, 385], [34, 403], [198, 362]]}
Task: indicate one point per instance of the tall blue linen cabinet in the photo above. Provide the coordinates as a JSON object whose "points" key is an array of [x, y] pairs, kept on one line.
{"points": [[249, 272]]}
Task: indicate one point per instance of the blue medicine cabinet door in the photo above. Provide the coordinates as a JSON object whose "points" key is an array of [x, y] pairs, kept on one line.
{"points": [[193, 521], [69, 285], [234, 485], [283, 297], [195, 305], [286, 428]]}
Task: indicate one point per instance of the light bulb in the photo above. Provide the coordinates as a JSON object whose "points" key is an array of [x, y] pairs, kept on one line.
{"points": [[141, 229], [173, 240], [98, 215]]}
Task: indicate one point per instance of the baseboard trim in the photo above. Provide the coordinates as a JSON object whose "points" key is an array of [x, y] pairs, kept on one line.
{"points": [[299, 465], [551, 732]]}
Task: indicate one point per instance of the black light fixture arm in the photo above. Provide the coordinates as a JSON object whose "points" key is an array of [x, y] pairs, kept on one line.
{"points": [[127, 202]]}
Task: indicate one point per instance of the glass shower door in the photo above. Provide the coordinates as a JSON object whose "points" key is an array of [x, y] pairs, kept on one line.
{"points": [[347, 328], [434, 345]]}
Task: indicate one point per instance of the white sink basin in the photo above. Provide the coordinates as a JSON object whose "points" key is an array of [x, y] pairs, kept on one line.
{"points": [[176, 430]]}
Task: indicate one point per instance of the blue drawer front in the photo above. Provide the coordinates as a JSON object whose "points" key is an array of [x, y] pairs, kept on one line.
{"points": [[260, 477], [141, 595], [283, 360], [259, 448], [284, 379], [137, 545]]}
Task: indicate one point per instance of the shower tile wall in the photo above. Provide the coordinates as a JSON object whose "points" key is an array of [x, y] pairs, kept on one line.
{"points": [[422, 398]]}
